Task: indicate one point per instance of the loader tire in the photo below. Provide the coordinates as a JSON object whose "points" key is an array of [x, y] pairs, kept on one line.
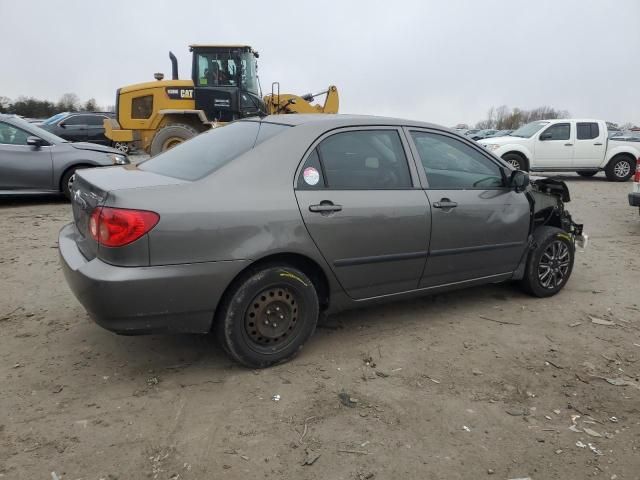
{"points": [[170, 136]]}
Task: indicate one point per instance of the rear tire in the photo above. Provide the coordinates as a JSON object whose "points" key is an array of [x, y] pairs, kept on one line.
{"points": [[586, 173], [517, 161], [170, 136], [620, 169], [550, 264], [122, 146], [267, 316]]}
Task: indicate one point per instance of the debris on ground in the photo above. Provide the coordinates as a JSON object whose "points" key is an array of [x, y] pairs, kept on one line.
{"points": [[575, 324], [310, 457], [347, 400], [593, 448], [276, 398], [590, 432], [579, 444], [518, 412], [600, 321], [151, 381], [465, 428]]}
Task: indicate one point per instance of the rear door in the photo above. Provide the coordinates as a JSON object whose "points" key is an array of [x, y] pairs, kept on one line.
{"points": [[590, 145], [95, 129], [22, 166], [479, 227], [362, 205], [74, 128], [554, 147]]}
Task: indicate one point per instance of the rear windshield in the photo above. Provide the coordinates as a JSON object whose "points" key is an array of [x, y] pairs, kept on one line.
{"points": [[211, 150]]}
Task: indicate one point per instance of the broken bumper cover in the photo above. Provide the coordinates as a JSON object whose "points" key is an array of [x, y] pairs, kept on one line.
{"points": [[138, 300]]}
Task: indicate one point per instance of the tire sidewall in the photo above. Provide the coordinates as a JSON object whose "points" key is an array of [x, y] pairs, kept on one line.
{"points": [[185, 132], [64, 182], [611, 173], [533, 283], [231, 321]]}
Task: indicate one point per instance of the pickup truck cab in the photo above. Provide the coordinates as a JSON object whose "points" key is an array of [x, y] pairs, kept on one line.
{"points": [[563, 145]]}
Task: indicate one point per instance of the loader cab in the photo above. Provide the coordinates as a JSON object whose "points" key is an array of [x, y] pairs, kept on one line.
{"points": [[225, 80]]}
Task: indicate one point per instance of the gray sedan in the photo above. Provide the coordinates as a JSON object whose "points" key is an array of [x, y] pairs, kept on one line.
{"points": [[256, 228], [34, 161]]}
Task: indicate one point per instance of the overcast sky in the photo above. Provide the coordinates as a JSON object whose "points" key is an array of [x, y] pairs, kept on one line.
{"points": [[439, 61]]}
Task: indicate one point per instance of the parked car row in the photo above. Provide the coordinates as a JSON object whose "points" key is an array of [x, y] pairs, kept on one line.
{"points": [[34, 160], [477, 134]]}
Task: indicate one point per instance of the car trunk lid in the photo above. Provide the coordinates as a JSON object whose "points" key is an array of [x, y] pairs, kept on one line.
{"points": [[91, 189]]}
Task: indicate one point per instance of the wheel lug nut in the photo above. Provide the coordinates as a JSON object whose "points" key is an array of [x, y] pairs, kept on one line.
{"points": [[281, 317], [268, 312], [266, 322], [275, 325]]}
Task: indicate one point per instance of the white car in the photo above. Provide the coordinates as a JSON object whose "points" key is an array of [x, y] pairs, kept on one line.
{"points": [[565, 145]]}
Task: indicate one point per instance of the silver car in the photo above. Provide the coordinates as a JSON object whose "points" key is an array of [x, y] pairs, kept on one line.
{"points": [[255, 229], [34, 161]]}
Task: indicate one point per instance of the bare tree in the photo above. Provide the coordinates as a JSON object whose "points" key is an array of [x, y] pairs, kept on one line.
{"points": [[69, 102], [91, 105]]}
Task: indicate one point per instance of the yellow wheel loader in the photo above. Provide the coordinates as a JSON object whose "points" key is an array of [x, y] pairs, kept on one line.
{"points": [[155, 116]]}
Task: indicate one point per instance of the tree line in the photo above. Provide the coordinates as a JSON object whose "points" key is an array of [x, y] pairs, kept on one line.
{"points": [[506, 118], [31, 107]]}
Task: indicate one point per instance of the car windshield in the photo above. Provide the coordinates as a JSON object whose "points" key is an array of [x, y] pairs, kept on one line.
{"points": [[54, 119], [528, 130], [211, 150], [37, 131]]}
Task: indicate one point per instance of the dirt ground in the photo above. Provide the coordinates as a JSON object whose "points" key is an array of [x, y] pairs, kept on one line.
{"points": [[480, 383]]}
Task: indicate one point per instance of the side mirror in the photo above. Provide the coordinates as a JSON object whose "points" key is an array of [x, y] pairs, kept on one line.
{"points": [[62, 125], [546, 136], [35, 141], [519, 180]]}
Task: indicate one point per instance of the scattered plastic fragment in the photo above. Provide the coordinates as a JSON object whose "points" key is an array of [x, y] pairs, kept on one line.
{"points": [[579, 444], [613, 419], [276, 398], [593, 448], [574, 428], [465, 428], [591, 433], [600, 321]]}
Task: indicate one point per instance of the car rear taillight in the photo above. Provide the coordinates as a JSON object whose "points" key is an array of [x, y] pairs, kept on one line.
{"points": [[116, 227], [636, 177]]}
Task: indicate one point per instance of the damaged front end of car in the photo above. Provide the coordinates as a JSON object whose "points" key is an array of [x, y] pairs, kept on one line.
{"points": [[547, 198]]}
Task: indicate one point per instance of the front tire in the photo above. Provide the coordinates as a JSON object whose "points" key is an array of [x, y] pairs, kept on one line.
{"points": [[517, 161], [267, 316], [550, 264], [170, 136]]}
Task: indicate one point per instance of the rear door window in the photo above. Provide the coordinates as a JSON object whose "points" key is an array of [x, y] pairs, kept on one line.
{"points": [[10, 135], [364, 160], [209, 151], [587, 130]]}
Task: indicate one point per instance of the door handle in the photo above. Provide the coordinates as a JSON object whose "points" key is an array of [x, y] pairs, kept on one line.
{"points": [[445, 203], [568, 144], [597, 144], [325, 207]]}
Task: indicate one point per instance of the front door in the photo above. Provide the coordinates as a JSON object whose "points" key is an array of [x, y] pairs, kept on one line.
{"points": [[362, 205], [479, 228], [554, 147], [22, 166], [590, 147]]}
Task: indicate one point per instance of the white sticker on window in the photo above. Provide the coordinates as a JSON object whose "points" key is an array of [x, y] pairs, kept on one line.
{"points": [[311, 176]]}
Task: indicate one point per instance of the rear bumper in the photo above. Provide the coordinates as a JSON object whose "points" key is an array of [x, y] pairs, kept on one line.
{"points": [[634, 199], [138, 300]]}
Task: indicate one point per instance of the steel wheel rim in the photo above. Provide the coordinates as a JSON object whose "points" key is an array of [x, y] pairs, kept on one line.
{"points": [[123, 147], [622, 169], [553, 267], [272, 319]]}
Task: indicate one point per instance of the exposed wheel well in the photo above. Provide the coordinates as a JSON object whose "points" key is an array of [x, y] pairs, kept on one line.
{"points": [[623, 154], [77, 165]]}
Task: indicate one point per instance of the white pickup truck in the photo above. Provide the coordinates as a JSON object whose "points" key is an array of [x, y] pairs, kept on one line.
{"points": [[580, 146]]}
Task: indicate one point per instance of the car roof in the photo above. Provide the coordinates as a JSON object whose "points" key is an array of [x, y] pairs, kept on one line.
{"points": [[339, 120]]}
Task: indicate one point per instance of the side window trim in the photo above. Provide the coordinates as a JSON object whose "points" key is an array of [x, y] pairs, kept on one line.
{"points": [[470, 143], [26, 132], [414, 172]]}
